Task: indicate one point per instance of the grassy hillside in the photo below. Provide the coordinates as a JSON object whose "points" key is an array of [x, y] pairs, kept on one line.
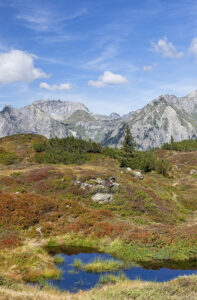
{"points": [[149, 221]]}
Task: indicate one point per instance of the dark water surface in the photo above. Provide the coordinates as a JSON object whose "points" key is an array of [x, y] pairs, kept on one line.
{"points": [[74, 280]]}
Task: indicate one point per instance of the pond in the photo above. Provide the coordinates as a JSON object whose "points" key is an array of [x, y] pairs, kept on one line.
{"points": [[74, 279]]}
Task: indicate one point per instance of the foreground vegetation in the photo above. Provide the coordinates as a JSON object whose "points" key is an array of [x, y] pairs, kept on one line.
{"points": [[45, 210], [182, 288]]}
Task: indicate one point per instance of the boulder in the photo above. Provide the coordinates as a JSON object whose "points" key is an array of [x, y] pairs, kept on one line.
{"points": [[138, 174], [100, 181], [102, 198], [115, 186], [129, 170], [193, 171], [86, 186]]}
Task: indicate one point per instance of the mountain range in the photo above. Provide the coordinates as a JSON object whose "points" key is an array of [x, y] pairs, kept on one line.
{"points": [[151, 125]]}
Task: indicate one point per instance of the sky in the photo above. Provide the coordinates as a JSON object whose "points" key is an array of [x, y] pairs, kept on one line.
{"points": [[111, 55]]}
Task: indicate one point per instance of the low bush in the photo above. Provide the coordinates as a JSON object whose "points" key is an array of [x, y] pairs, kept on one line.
{"points": [[68, 150], [182, 146], [146, 161]]}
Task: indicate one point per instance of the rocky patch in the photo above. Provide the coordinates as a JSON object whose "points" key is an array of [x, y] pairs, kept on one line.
{"points": [[102, 189]]}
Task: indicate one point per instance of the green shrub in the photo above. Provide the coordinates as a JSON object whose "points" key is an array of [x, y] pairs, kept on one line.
{"points": [[145, 161], [68, 150], [182, 146], [111, 152], [162, 166]]}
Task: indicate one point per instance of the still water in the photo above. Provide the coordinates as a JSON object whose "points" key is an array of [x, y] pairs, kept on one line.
{"points": [[74, 280]]}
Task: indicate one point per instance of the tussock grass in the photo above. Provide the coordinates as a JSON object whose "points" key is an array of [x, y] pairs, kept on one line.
{"points": [[111, 278], [99, 265], [58, 259], [78, 264]]}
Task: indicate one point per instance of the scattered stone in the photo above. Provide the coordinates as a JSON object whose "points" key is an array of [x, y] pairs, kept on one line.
{"points": [[112, 179], [77, 182], [193, 171], [129, 170], [102, 197], [86, 185], [116, 186], [138, 174], [100, 181], [39, 229]]}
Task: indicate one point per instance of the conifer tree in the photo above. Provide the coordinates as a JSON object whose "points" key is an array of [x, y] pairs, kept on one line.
{"points": [[171, 140], [128, 145]]}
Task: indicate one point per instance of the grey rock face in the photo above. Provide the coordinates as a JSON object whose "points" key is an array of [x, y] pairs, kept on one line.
{"points": [[30, 119], [162, 118], [59, 110], [150, 126]]}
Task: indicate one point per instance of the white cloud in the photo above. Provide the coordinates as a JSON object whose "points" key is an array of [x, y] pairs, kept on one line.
{"points": [[55, 87], [97, 83], [108, 78], [166, 49], [149, 68], [193, 47], [17, 65]]}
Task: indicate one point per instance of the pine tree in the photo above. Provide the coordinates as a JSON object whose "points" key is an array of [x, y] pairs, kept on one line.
{"points": [[171, 140], [128, 145]]}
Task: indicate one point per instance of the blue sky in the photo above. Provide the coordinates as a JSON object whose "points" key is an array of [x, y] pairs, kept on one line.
{"points": [[112, 55]]}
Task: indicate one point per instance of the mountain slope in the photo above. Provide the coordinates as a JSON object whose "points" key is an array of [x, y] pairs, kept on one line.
{"points": [[151, 126], [30, 119], [162, 118]]}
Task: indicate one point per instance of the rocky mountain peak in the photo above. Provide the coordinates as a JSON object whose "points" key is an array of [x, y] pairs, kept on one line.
{"points": [[59, 110], [151, 126], [114, 116], [7, 108], [192, 94]]}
